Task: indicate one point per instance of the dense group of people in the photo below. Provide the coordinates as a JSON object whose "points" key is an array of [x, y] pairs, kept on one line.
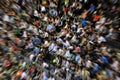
{"points": [[59, 39]]}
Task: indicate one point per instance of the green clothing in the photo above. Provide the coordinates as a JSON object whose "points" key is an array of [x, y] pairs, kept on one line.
{"points": [[63, 1], [73, 57], [17, 32]]}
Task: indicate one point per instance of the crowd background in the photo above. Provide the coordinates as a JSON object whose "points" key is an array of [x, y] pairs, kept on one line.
{"points": [[59, 39]]}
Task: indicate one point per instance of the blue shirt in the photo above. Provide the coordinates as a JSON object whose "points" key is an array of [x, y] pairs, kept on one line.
{"points": [[96, 67], [104, 59], [11, 19], [51, 47], [92, 8], [45, 76], [55, 48], [36, 50], [33, 39], [67, 54], [30, 45], [53, 12], [49, 27], [84, 22], [6, 50], [37, 40], [77, 58], [108, 72], [1, 14], [78, 78]]}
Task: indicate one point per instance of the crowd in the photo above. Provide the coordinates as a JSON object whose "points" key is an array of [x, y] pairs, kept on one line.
{"points": [[59, 39]]}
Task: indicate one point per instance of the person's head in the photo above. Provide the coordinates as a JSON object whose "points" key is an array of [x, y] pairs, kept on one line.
{"points": [[110, 26], [23, 79], [92, 4]]}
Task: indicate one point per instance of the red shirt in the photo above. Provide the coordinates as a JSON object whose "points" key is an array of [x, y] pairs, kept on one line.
{"points": [[15, 48], [7, 63], [65, 9], [96, 17], [37, 23]]}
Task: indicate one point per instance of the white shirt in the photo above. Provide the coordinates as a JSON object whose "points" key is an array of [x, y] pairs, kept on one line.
{"points": [[67, 64], [40, 31], [74, 38], [102, 20], [23, 25], [51, 47], [79, 29], [74, 26], [30, 45], [67, 35], [35, 31], [67, 54], [24, 64], [45, 34], [51, 78], [85, 1], [115, 65], [117, 78], [60, 51], [43, 8], [74, 4], [36, 13], [101, 39], [55, 48], [57, 21], [67, 44], [97, 27], [52, 4], [45, 64], [24, 75], [77, 57], [30, 28], [46, 42], [88, 63], [44, 76], [31, 57], [6, 18], [45, 19], [59, 40], [24, 34]]}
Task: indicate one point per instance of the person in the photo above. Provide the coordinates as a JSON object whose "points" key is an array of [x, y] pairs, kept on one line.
{"points": [[59, 39]]}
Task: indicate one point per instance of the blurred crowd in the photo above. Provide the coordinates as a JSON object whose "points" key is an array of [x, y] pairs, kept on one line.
{"points": [[59, 39]]}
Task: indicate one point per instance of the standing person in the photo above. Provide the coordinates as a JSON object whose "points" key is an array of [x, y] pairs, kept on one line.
{"points": [[22, 4], [85, 74], [44, 76]]}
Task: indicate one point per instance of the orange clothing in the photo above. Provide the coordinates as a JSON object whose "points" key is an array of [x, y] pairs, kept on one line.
{"points": [[7, 64], [96, 18]]}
